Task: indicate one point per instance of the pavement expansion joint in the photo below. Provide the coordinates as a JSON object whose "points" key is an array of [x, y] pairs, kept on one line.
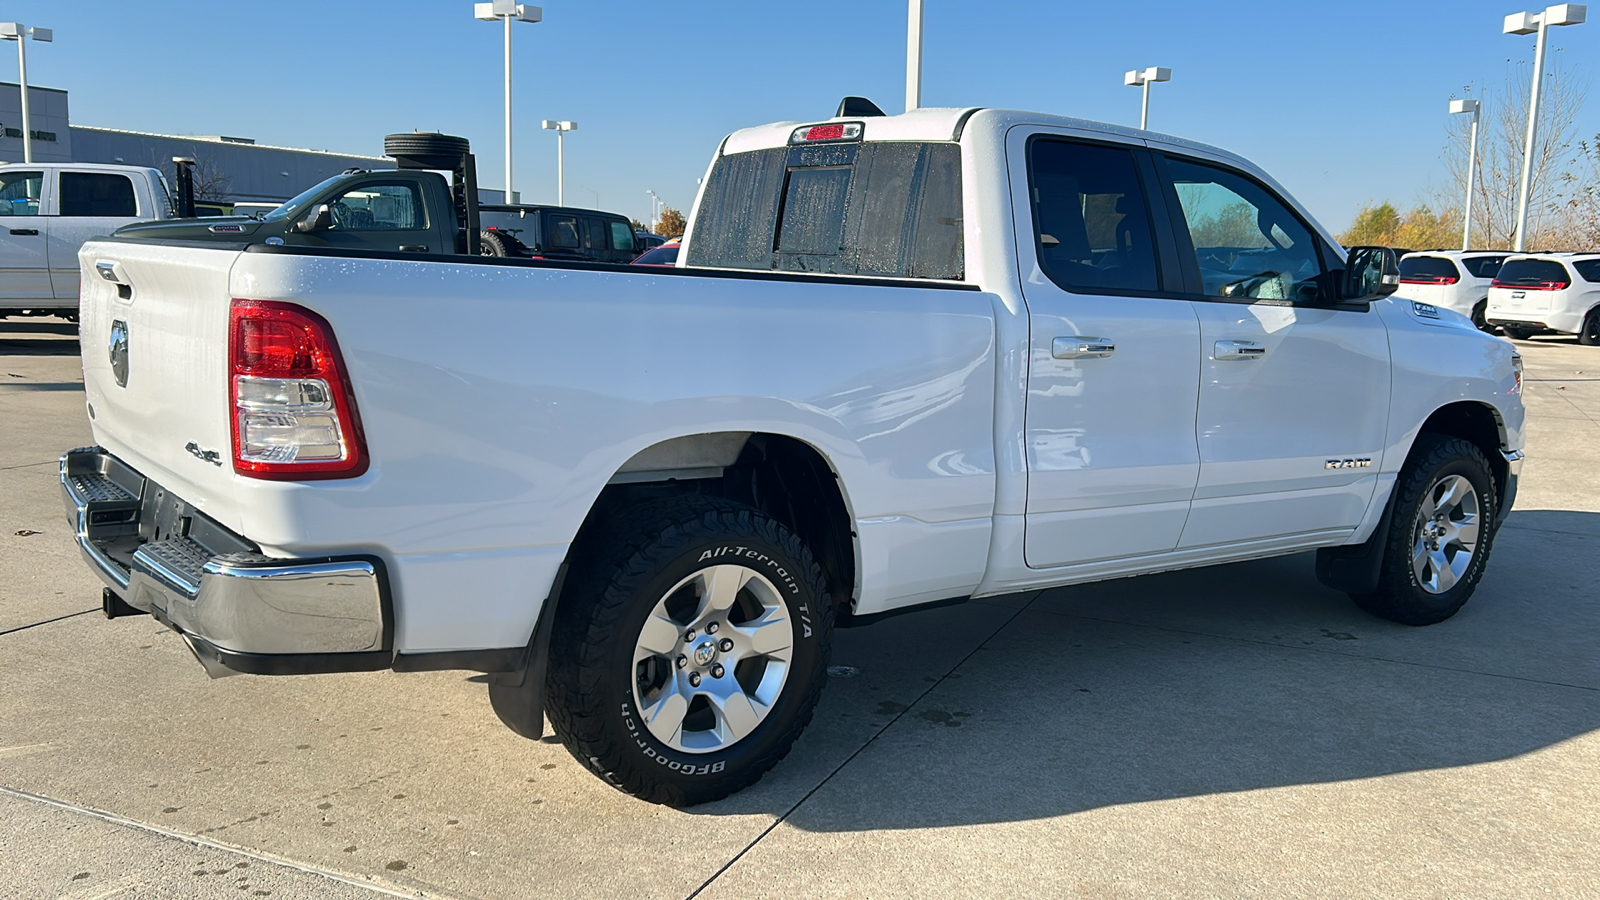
{"points": [[1324, 650], [195, 840], [859, 750], [46, 622]]}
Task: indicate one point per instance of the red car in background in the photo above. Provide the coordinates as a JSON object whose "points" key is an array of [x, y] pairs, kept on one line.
{"points": [[664, 255]]}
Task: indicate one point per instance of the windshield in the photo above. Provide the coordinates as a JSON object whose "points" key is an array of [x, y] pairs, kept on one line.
{"points": [[295, 204]]}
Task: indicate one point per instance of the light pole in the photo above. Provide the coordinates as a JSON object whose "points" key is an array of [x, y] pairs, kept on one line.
{"points": [[507, 11], [1144, 78], [561, 129], [653, 201], [914, 56], [1473, 107], [1536, 23], [16, 31]]}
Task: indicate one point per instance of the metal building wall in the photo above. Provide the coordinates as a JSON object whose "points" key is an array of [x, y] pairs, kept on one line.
{"points": [[244, 171]]}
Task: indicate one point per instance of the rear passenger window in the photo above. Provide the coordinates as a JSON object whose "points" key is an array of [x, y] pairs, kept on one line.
{"points": [[594, 235], [96, 194], [1483, 266], [1091, 223], [1589, 269], [888, 209], [561, 232]]}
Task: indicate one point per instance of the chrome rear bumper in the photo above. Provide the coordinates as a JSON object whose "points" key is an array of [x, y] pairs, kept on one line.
{"points": [[239, 611]]}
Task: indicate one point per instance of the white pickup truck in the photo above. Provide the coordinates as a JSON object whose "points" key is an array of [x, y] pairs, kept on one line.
{"points": [[904, 359], [49, 210]]}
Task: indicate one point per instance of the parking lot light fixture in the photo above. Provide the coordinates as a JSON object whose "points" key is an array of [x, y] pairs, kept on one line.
{"points": [[16, 31], [507, 11], [1143, 78], [561, 129], [1538, 24], [655, 201], [1473, 107]]}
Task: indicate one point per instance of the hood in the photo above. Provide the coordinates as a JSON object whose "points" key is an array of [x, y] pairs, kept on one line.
{"points": [[224, 228]]}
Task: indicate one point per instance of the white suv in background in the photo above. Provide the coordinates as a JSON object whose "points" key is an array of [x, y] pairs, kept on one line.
{"points": [[1557, 292], [1451, 279]]}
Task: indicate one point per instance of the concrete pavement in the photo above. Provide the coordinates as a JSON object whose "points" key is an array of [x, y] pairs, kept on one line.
{"points": [[1237, 731]]}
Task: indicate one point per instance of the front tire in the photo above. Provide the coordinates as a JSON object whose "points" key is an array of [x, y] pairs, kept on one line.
{"points": [[690, 652], [1443, 529]]}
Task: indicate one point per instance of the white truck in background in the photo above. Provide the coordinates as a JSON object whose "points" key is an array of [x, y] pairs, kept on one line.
{"points": [[49, 210], [903, 359]]}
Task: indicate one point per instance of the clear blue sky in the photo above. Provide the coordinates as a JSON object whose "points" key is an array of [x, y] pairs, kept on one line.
{"points": [[1343, 102]]}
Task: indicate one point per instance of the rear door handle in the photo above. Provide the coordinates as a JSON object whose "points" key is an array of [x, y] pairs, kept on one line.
{"points": [[1080, 347], [1239, 350], [25, 231], [414, 248]]}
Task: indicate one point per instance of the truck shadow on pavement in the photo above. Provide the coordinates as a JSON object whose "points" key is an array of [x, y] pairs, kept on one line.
{"points": [[38, 338], [1235, 678]]}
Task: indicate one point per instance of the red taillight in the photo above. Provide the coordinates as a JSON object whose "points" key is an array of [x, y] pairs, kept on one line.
{"points": [[294, 416], [1541, 286], [1430, 279]]}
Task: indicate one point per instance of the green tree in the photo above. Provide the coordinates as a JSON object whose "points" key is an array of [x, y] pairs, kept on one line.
{"points": [[1373, 225]]}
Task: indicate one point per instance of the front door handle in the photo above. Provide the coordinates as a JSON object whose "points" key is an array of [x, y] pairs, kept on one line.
{"points": [[1079, 347], [33, 231], [1239, 350], [414, 248]]}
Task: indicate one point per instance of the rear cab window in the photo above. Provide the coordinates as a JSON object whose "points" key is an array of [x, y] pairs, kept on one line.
{"points": [[1428, 270], [1537, 274], [1091, 218], [887, 209]]}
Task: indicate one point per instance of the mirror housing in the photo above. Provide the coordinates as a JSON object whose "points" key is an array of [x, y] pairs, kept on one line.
{"points": [[320, 219], [1370, 273]]}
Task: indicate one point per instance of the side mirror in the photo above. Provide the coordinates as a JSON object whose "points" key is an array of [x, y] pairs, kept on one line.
{"points": [[1370, 273], [319, 220]]}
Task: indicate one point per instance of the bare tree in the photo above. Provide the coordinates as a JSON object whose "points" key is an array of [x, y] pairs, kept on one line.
{"points": [[1502, 136]]}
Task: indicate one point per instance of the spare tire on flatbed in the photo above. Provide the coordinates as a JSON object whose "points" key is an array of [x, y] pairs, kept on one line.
{"points": [[426, 150]]}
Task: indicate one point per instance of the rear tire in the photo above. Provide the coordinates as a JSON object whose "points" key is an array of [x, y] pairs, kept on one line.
{"points": [[1590, 335], [1443, 530], [490, 244], [689, 649], [1480, 319]]}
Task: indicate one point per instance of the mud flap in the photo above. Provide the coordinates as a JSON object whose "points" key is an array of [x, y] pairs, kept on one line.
{"points": [[1354, 569], [518, 696]]}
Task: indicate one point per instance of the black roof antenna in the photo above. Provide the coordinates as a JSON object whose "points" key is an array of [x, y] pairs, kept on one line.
{"points": [[857, 107]]}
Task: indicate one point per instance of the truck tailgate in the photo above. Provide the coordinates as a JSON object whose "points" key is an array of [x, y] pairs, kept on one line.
{"points": [[155, 364]]}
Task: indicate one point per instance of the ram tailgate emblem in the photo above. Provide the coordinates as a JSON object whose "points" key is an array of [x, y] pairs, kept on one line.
{"points": [[1359, 462], [119, 352]]}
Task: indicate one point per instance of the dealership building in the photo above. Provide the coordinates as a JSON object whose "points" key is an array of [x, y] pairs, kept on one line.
{"points": [[233, 169]]}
